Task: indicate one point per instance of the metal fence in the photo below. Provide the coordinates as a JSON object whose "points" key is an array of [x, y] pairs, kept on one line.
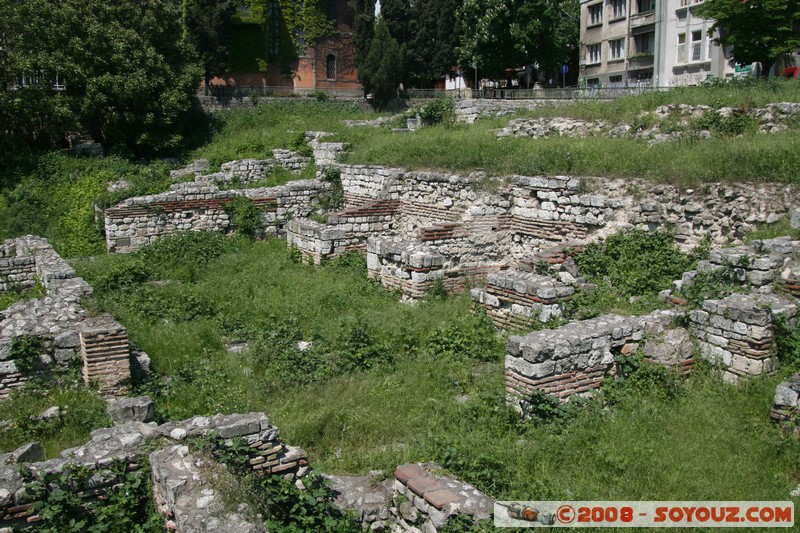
{"points": [[568, 93], [277, 91]]}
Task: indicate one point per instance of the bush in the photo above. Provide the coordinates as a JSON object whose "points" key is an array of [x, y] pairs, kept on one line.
{"points": [[441, 110], [245, 216], [635, 262]]}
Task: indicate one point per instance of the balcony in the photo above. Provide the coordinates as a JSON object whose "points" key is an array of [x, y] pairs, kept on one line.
{"points": [[643, 21], [640, 61]]}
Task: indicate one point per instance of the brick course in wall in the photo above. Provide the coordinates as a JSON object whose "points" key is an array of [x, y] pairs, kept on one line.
{"points": [[574, 358], [128, 443], [738, 332], [68, 335]]}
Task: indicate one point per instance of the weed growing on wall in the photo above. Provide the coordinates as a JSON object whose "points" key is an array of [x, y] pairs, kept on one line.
{"points": [[128, 505], [282, 505], [245, 216]]}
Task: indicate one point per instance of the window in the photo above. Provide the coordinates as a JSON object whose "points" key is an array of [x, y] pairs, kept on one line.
{"points": [[615, 79], [595, 14], [645, 5], [618, 9], [330, 67], [593, 54], [332, 9], [593, 83], [681, 48], [645, 43], [697, 37], [617, 48]]}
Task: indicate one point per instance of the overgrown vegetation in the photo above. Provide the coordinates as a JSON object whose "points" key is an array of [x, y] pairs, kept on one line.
{"points": [[128, 506], [381, 384], [628, 270], [80, 410], [57, 199], [279, 502]]}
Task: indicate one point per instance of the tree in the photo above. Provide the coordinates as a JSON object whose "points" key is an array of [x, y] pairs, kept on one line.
{"points": [[127, 75], [396, 14], [498, 34], [757, 30], [432, 51], [208, 25], [364, 28], [381, 72]]}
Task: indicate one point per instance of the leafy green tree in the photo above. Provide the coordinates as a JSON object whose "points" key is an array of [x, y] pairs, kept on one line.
{"points": [[498, 34], [759, 30], [381, 72], [126, 77], [208, 25]]}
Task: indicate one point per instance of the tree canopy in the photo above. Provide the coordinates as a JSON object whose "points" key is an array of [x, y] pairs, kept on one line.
{"points": [[759, 30], [208, 26], [126, 77], [380, 73], [498, 34]]}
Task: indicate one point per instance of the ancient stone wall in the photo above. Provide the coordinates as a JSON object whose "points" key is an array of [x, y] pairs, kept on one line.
{"points": [[64, 332], [128, 443], [16, 272], [574, 358], [786, 405], [315, 241], [194, 207], [516, 299], [737, 332]]}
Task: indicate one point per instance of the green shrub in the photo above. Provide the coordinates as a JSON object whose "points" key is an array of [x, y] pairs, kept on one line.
{"points": [[245, 216], [634, 262], [127, 507], [636, 378], [299, 143], [441, 110], [787, 340], [333, 199]]}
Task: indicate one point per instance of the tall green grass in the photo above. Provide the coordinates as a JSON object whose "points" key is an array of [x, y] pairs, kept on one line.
{"points": [[691, 161], [386, 383]]}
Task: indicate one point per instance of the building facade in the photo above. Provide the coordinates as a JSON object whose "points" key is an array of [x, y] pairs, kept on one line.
{"points": [[266, 56], [661, 43]]}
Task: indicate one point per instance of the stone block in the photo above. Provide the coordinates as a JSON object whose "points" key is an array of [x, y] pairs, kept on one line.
{"points": [[139, 409]]}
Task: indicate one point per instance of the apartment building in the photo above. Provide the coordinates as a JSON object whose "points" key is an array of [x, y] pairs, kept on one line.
{"points": [[647, 42]]}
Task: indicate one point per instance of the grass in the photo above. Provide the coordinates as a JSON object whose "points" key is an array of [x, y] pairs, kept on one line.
{"points": [[386, 383], [241, 134], [81, 410], [690, 161]]}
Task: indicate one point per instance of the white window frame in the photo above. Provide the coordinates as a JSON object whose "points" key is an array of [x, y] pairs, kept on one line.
{"points": [[594, 54], [681, 56], [697, 46], [616, 49], [595, 14]]}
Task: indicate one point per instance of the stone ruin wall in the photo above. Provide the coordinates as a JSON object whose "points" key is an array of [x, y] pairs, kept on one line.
{"points": [[186, 482], [179, 483], [480, 225], [68, 334], [136, 222]]}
